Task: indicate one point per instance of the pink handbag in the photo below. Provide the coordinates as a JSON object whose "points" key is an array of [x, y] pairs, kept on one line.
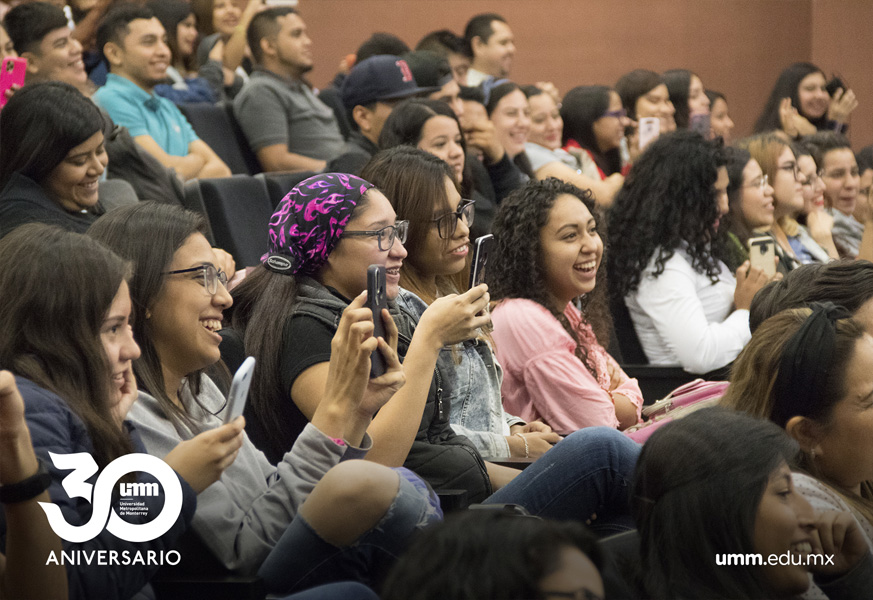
{"points": [[682, 401]]}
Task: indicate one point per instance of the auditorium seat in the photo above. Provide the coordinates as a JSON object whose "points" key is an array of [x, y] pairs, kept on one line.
{"points": [[239, 210], [279, 184], [212, 125]]}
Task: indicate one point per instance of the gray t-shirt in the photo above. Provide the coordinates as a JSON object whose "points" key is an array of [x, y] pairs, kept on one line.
{"points": [[273, 110]]}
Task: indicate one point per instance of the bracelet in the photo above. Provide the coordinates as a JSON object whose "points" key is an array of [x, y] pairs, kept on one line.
{"points": [[337, 441], [526, 447], [29, 488]]}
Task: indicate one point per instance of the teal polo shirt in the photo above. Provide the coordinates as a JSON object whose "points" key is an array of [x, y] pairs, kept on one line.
{"points": [[146, 114]]}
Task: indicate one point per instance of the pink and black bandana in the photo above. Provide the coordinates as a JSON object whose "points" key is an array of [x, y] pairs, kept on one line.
{"points": [[309, 221]]}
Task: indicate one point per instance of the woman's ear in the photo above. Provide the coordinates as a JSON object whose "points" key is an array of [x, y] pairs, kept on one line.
{"points": [[806, 432]]}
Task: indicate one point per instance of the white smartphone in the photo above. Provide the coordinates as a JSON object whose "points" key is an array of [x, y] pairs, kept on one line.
{"points": [[650, 129], [762, 254], [239, 390]]}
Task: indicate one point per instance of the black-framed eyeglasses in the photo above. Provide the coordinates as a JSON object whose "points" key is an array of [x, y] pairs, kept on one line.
{"points": [[386, 235], [447, 224], [791, 168], [211, 276], [580, 594], [617, 114]]}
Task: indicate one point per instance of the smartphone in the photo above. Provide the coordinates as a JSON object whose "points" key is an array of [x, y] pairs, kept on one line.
{"points": [[835, 84], [481, 248], [377, 299], [650, 129], [762, 254], [239, 390], [11, 73], [700, 122]]}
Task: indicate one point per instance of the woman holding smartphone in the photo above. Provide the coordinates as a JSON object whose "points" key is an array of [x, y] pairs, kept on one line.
{"points": [[66, 336], [308, 520], [408, 427]]}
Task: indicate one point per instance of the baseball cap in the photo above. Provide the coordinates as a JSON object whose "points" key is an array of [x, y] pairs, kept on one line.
{"points": [[383, 77], [428, 68]]}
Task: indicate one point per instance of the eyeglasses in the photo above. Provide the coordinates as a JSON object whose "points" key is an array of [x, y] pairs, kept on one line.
{"points": [[791, 168], [386, 235], [761, 185], [580, 594], [618, 114], [447, 224], [840, 173], [210, 275]]}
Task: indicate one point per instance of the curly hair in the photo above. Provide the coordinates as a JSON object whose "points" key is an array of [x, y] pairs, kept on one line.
{"points": [[667, 202], [515, 268]]}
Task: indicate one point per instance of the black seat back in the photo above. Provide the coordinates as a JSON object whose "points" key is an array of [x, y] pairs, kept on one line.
{"points": [[212, 125], [239, 211]]}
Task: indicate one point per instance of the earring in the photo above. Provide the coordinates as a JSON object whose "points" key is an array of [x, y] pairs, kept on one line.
{"points": [[148, 315], [812, 454]]}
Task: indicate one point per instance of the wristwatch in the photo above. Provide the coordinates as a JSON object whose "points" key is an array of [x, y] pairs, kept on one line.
{"points": [[29, 488]]}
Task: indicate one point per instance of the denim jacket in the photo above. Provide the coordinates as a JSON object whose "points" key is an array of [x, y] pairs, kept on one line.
{"points": [[473, 390]]}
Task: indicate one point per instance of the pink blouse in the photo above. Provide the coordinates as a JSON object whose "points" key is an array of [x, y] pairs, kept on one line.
{"points": [[543, 378]]}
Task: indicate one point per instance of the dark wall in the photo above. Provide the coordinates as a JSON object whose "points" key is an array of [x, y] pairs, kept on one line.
{"points": [[736, 46]]}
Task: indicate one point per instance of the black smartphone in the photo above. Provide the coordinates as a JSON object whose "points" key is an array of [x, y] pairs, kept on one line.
{"points": [[835, 84], [481, 248], [377, 299]]}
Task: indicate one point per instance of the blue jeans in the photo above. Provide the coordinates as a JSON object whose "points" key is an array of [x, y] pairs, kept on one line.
{"points": [[302, 559], [585, 477], [346, 590]]}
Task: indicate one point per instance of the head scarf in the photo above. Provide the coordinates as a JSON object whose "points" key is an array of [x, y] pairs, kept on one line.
{"points": [[806, 361], [309, 222]]}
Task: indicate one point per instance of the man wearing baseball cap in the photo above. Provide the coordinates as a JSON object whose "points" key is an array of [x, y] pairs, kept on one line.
{"points": [[369, 94]]}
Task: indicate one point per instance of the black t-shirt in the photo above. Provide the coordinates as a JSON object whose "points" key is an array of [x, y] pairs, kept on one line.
{"points": [[306, 343]]}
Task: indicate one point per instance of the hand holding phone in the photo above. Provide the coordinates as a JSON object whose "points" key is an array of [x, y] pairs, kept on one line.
{"points": [[377, 299], [239, 390], [481, 248], [649, 130], [11, 73], [762, 254]]}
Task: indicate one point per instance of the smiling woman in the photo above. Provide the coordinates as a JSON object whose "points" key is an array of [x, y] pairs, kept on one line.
{"points": [[51, 159], [549, 253]]}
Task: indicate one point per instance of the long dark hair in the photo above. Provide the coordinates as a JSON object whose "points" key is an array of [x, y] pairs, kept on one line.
{"points": [[580, 108], [667, 202], [786, 87], [735, 222], [39, 126], [497, 94], [678, 83], [486, 554], [56, 288], [170, 13], [705, 504], [414, 182], [516, 269], [847, 283], [404, 125], [263, 306], [148, 234]]}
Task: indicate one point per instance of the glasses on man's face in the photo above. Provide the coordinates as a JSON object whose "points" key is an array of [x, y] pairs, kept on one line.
{"points": [[386, 235], [840, 173], [618, 114], [759, 182], [447, 224], [209, 276]]}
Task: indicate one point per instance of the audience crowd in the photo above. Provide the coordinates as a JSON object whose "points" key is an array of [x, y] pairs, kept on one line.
{"points": [[466, 437]]}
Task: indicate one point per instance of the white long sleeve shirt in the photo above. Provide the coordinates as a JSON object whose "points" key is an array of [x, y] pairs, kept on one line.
{"points": [[682, 318]]}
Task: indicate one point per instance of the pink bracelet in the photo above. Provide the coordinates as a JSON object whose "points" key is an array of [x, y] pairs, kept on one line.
{"points": [[338, 441]]}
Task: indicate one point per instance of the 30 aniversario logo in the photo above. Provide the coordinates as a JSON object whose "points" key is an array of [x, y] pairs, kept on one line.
{"points": [[104, 515]]}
